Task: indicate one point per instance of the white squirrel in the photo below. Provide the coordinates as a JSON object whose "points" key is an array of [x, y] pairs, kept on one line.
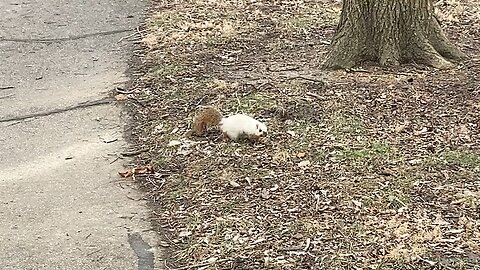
{"points": [[240, 124], [232, 127]]}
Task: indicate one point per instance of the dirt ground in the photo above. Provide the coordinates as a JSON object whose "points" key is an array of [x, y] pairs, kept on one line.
{"points": [[368, 168]]}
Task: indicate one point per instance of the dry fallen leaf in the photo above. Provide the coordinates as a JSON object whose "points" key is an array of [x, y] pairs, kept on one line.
{"points": [[301, 155], [440, 221], [455, 231], [421, 132], [137, 170], [234, 184], [185, 233], [304, 163], [281, 156], [121, 97], [174, 143], [291, 133], [357, 203], [126, 173], [265, 194]]}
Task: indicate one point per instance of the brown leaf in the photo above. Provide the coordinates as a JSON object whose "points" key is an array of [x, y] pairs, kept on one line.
{"points": [[387, 172], [137, 170], [143, 169], [126, 173]]}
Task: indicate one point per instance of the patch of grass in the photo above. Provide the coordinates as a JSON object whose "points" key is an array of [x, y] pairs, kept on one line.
{"points": [[165, 20], [459, 158], [160, 162], [399, 265], [396, 192], [311, 18], [218, 85], [162, 72], [179, 190], [372, 150], [344, 125], [180, 27], [250, 104], [391, 193], [176, 195], [228, 206], [193, 220]]}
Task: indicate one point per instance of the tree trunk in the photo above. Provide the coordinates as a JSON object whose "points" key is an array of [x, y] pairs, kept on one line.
{"points": [[390, 32]]}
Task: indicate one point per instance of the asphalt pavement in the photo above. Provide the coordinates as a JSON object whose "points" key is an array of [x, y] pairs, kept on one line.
{"points": [[62, 204]]}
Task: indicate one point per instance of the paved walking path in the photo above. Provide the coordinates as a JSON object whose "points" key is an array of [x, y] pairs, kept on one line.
{"points": [[61, 206]]}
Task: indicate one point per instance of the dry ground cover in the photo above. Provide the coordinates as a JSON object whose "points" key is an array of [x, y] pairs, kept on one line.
{"points": [[369, 168]]}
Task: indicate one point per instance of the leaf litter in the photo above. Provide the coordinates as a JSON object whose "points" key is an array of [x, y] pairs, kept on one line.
{"points": [[369, 168]]}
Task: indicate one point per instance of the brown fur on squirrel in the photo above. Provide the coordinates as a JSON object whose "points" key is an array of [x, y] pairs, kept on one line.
{"points": [[233, 127], [206, 118]]}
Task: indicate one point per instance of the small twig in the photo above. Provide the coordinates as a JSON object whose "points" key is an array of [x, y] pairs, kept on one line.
{"points": [[200, 264], [359, 70], [257, 88], [133, 199], [287, 68], [134, 153], [7, 96], [93, 252], [116, 158], [431, 263], [291, 248], [121, 91], [313, 79], [129, 36], [81, 105], [6, 87], [19, 122], [313, 95], [307, 245]]}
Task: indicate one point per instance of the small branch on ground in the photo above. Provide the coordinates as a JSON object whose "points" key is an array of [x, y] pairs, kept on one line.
{"points": [[134, 153], [200, 264], [82, 105], [7, 96]]}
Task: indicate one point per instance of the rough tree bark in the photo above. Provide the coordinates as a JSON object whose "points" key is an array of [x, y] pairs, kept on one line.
{"points": [[390, 32]]}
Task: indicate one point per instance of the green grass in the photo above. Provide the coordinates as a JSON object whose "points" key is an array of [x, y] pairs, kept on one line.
{"points": [[250, 104], [310, 19], [166, 20], [458, 158], [228, 206], [162, 72], [344, 125], [372, 150]]}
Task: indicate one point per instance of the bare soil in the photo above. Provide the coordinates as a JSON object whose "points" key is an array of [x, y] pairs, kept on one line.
{"points": [[366, 168]]}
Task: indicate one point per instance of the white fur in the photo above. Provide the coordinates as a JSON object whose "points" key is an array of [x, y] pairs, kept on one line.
{"points": [[239, 124]]}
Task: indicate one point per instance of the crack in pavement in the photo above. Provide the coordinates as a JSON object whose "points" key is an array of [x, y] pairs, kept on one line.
{"points": [[71, 38], [142, 250], [81, 105]]}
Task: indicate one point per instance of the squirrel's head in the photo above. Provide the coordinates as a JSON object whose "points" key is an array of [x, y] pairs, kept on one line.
{"points": [[261, 129]]}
